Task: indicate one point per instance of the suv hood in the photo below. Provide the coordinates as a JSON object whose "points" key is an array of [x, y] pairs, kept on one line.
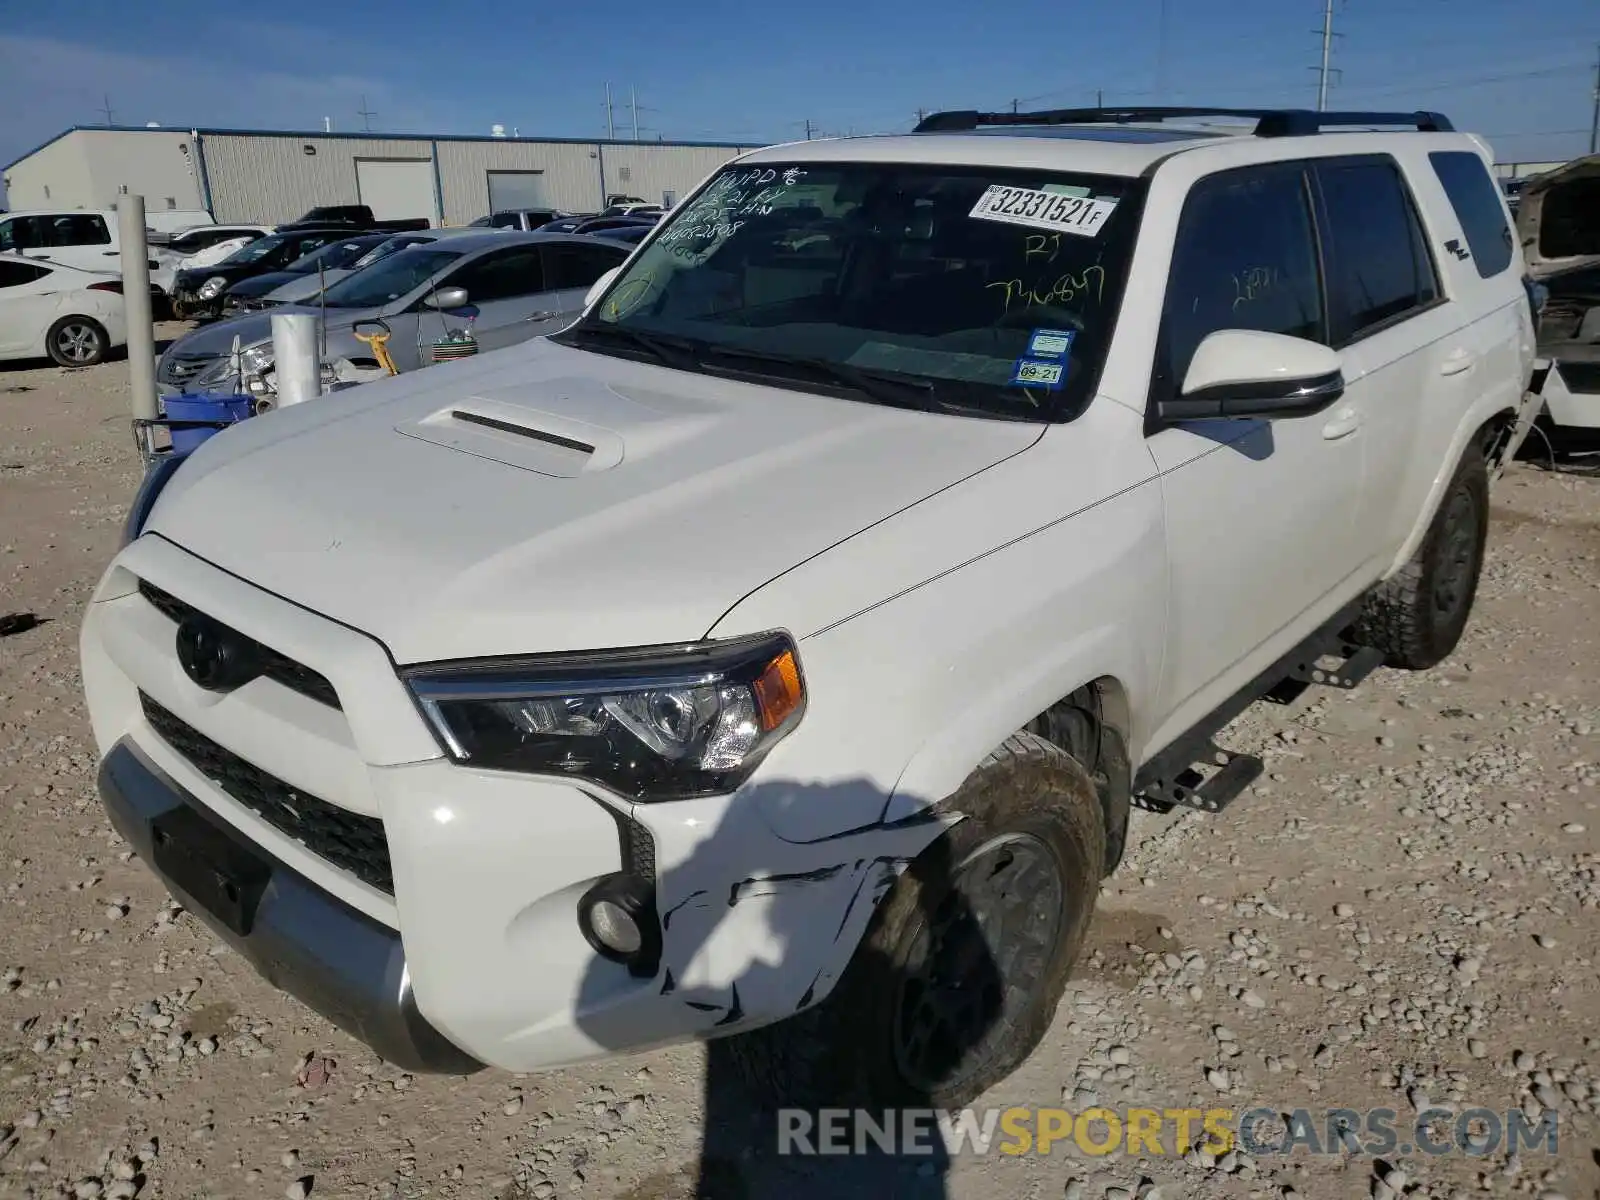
{"points": [[546, 498], [1558, 218]]}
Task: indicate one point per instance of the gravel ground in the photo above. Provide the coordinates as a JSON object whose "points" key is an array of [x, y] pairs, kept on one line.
{"points": [[1401, 915]]}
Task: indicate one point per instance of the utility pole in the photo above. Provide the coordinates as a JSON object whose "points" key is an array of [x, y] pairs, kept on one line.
{"points": [[633, 105], [1594, 121], [1327, 50], [808, 129], [106, 108], [611, 131], [922, 115], [365, 114], [1014, 105], [1099, 97], [1161, 57]]}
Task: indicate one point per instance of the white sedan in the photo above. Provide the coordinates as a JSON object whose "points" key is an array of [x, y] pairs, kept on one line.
{"points": [[75, 317]]}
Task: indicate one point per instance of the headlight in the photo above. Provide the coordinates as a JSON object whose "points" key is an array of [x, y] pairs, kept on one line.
{"points": [[259, 378], [156, 477], [211, 287], [651, 724]]}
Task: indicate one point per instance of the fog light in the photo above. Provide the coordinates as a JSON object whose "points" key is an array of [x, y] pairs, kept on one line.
{"points": [[618, 919], [615, 929]]}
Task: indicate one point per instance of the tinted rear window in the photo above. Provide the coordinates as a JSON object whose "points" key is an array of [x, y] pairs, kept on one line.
{"points": [[1476, 201], [1379, 268]]}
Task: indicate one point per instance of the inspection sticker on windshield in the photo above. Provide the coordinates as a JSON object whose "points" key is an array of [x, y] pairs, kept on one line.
{"points": [[1029, 372], [1051, 343], [1039, 209]]}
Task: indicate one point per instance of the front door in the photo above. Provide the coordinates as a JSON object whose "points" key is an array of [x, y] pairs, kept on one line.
{"points": [[1260, 515]]}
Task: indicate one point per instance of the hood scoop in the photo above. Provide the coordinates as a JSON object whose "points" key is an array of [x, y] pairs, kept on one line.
{"points": [[519, 436]]}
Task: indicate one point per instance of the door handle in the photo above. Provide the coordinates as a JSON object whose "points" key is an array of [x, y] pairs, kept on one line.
{"points": [[1458, 362], [1344, 422]]}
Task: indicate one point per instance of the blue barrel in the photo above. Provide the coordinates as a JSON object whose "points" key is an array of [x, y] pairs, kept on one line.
{"points": [[192, 418]]}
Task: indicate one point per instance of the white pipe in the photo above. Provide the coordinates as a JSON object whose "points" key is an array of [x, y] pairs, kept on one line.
{"points": [[295, 360], [136, 301]]}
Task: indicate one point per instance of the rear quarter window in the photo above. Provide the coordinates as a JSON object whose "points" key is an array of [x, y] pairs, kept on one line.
{"points": [[1476, 201]]}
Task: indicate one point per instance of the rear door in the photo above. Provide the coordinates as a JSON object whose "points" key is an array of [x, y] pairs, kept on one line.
{"points": [[571, 269], [27, 306], [1407, 359]]}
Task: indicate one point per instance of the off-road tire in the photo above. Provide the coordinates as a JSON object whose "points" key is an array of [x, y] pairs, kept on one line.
{"points": [[841, 1052], [77, 342], [1417, 615]]}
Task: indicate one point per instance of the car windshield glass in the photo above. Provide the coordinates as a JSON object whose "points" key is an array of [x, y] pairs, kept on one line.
{"points": [[993, 290], [328, 258], [386, 248], [388, 280], [257, 249]]}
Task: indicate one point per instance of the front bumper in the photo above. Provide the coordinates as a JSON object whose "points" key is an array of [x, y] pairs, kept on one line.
{"points": [[483, 870], [342, 963]]}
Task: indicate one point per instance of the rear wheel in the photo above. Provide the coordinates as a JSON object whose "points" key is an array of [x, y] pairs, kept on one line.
{"points": [[1417, 615], [964, 962], [77, 342]]}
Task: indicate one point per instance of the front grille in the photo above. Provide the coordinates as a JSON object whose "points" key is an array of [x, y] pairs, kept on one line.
{"points": [[275, 666], [173, 369], [347, 840]]}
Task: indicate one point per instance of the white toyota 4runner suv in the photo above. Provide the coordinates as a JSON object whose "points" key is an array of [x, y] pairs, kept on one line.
{"points": [[777, 651]]}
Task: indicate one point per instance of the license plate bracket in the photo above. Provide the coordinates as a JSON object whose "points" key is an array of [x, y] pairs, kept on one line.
{"points": [[214, 869]]}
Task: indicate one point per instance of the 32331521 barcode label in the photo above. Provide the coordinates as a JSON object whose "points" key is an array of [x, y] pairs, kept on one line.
{"points": [[1038, 209]]}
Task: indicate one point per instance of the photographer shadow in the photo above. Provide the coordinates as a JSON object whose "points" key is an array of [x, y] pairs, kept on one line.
{"points": [[917, 1010]]}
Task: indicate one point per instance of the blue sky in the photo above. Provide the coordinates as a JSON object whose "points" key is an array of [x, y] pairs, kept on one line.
{"points": [[1521, 73]]}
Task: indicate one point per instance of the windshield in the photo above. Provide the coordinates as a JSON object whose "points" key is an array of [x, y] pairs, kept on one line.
{"points": [[389, 279], [993, 289], [390, 246], [257, 249], [329, 258]]}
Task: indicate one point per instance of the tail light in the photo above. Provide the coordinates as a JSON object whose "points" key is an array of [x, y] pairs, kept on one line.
{"points": [[108, 285]]}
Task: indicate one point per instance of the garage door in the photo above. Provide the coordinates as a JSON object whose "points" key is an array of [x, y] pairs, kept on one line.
{"points": [[516, 189], [397, 189]]}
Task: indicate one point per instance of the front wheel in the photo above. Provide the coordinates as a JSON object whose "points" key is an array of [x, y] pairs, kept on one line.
{"points": [[1417, 615], [965, 961], [77, 342]]}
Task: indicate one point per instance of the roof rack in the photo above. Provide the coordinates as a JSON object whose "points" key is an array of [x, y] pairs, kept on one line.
{"points": [[1270, 122]]}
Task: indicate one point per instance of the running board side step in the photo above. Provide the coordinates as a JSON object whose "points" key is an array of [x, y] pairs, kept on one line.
{"points": [[1356, 663], [1188, 787], [1194, 772]]}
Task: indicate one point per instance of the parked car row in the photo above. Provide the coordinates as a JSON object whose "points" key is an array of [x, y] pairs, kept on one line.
{"points": [[505, 286]]}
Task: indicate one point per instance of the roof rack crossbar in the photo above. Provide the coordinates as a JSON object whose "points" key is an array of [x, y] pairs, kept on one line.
{"points": [[1270, 122]]}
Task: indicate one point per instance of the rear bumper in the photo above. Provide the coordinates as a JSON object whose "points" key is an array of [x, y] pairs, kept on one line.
{"points": [[340, 962]]}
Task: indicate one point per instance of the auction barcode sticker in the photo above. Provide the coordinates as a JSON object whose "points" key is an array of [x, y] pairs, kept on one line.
{"points": [[1039, 209]]}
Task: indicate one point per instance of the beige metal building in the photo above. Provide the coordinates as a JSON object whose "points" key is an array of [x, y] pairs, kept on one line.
{"points": [[253, 175]]}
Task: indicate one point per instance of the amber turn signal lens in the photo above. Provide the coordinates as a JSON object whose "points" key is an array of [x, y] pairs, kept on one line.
{"points": [[778, 691]]}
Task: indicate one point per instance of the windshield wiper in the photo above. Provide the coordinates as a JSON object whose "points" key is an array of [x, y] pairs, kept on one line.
{"points": [[672, 351], [899, 391]]}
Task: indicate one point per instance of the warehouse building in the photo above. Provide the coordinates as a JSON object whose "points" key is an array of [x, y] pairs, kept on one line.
{"points": [[273, 176]]}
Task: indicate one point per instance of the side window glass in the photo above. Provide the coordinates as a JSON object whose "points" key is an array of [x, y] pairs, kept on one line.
{"points": [[504, 220], [1477, 205], [573, 266], [1379, 267], [501, 275], [25, 234], [8, 237], [16, 274], [1245, 258]]}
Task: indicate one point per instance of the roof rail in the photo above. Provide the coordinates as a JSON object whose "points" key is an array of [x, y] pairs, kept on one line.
{"points": [[1270, 122]]}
